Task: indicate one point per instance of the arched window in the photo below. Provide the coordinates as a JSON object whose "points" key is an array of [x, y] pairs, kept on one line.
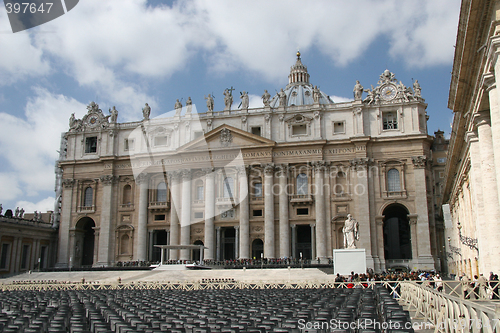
{"points": [[393, 181], [228, 187], [127, 194], [161, 192], [302, 184], [88, 196]]}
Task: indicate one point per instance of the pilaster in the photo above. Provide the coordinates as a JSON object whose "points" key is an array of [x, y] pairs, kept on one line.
{"points": [[105, 255], [209, 214], [142, 225], [244, 227], [284, 227], [269, 211], [186, 213]]}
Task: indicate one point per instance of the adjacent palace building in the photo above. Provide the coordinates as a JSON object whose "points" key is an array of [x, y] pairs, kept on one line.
{"points": [[276, 181], [472, 188]]}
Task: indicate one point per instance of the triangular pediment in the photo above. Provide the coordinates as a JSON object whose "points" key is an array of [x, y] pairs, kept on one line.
{"points": [[226, 137]]}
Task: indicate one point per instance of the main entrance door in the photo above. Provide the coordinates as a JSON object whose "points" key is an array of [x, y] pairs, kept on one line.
{"points": [[303, 242], [84, 242]]}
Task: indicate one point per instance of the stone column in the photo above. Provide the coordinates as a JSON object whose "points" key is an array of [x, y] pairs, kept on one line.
{"points": [[186, 213], [151, 245], [413, 218], [142, 225], [294, 240], [244, 234], [379, 220], [490, 189], [175, 205], [313, 242], [284, 226], [105, 254], [319, 203], [269, 211], [65, 223], [209, 214], [425, 259], [482, 225], [236, 242], [328, 212], [167, 257], [218, 256], [362, 213]]}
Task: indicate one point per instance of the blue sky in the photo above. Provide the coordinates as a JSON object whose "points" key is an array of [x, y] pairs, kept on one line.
{"points": [[125, 53]]}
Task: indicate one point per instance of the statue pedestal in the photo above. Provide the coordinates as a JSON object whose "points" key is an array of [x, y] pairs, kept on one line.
{"points": [[346, 261]]}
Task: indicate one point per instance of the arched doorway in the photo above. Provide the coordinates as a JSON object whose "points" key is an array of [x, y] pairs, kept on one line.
{"points": [[303, 242], [196, 253], [397, 235], [257, 248], [84, 242]]}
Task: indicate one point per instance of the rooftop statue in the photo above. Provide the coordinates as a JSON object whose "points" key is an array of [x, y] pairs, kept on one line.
{"points": [[146, 112], [210, 103], [282, 97], [114, 114], [178, 108], [244, 100], [316, 94], [266, 98], [417, 89], [358, 91], [189, 105], [228, 99]]}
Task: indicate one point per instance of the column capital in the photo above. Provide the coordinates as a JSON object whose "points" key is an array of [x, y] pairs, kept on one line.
{"points": [[173, 176], [379, 219], [488, 82], [68, 182], [360, 162], [186, 174], [108, 179], [282, 169], [471, 136], [269, 169], [207, 171], [419, 162], [142, 178], [319, 165], [481, 118], [413, 218], [312, 225], [236, 227], [242, 170]]}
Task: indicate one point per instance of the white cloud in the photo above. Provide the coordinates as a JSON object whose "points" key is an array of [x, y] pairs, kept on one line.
{"points": [[9, 187], [19, 58], [40, 206], [29, 144], [339, 99]]}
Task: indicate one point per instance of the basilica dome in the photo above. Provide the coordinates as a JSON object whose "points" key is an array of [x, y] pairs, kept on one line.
{"points": [[299, 91]]}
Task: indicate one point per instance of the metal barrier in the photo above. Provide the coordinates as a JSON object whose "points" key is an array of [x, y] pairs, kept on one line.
{"points": [[451, 313]]}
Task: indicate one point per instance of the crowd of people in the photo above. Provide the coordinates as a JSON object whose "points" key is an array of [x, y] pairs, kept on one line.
{"points": [[480, 287]]}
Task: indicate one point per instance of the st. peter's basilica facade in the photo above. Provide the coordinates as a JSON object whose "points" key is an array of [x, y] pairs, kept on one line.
{"points": [[276, 181]]}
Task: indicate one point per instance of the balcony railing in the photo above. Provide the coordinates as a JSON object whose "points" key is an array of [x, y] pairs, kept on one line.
{"points": [[159, 205], [86, 209], [301, 198]]}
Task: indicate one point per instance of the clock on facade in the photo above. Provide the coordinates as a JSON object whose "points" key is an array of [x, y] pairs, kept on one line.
{"points": [[93, 120], [388, 92]]}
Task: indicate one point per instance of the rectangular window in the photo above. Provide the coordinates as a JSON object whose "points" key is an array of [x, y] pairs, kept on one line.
{"points": [[129, 144], [199, 193], [338, 127], [256, 130], [25, 256], [91, 145], [390, 119], [257, 192], [161, 140], [4, 258], [302, 211], [160, 217], [299, 129], [257, 212], [198, 215]]}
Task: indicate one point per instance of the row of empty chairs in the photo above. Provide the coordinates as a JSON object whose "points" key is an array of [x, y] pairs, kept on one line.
{"points": [[199, 311]]}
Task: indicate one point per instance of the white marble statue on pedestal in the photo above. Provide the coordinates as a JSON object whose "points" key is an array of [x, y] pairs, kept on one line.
{"points": [[350, 231]]}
